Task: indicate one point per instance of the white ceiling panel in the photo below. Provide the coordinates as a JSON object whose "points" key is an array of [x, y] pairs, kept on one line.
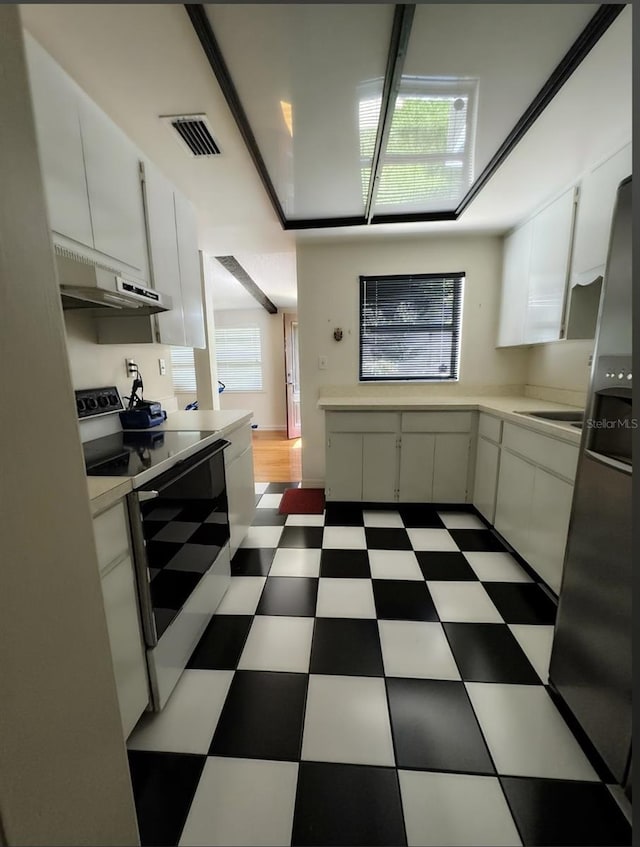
{"points": [[301, 72], [511, 50]]}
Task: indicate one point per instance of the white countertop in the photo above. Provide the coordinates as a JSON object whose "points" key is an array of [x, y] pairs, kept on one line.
{"points": [[505, 407], [106, 490]]}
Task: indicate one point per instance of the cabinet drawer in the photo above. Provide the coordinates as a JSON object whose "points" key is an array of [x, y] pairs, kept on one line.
{"points": [[556, 456], [490, 427], [361, 421], [436, 421], [111, 533], [240, 439]]}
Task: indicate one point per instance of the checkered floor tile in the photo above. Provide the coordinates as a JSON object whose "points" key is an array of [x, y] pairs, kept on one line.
{"points": [[372, 676]]}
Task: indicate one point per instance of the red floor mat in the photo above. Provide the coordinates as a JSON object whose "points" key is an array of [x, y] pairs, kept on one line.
{"points": [[302, 501]]}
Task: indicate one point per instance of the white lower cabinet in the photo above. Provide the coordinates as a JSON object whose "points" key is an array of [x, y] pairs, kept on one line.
{"points": [[410, 457], [548, 526], [111, 533], [417, 452], [127, 651], [241, 497], [513, 502], [379, 467], [486, 478]]}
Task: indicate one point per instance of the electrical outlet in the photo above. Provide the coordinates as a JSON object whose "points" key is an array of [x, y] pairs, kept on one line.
{"points": [[322, 363], [130, 365], [162, 367]]}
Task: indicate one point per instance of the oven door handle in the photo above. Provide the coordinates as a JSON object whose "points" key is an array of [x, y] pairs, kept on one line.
{"points": [[147, 495]]}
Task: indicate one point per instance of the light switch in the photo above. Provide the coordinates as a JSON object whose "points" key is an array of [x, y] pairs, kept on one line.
{"points": [[162, 367], [322, 363]]}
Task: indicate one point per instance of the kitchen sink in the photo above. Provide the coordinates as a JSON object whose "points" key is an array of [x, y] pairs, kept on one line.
{"points": [[556, 416]]}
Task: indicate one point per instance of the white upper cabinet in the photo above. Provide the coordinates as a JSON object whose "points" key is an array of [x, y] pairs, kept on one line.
{"points": [[163, 249], [113, 184], [515, 270], [595, 210], [55, 107], [549, 269], [190, 279]]}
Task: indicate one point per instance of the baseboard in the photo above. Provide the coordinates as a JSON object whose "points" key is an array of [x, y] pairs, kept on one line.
{"points": [[261, 428], [312, 483]]}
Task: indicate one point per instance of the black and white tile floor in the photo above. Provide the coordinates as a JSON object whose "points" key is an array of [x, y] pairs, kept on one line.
{"points": [[371, 677]]}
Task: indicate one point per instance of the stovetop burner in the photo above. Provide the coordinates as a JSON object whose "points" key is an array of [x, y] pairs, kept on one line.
{"points": [[130, 452]]}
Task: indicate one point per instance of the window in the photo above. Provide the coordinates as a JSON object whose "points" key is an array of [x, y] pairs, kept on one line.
{"points": [[410, 327], [183, 369], [239, 357]]}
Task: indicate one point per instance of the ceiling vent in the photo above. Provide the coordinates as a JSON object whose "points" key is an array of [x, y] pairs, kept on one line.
{"points": [[194, 133]]}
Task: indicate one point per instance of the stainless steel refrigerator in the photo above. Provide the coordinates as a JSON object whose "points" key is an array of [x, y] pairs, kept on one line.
{"points": [[591, 654]]}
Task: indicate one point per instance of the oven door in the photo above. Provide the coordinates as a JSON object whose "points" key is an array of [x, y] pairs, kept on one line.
{"points": [[179, 526]]}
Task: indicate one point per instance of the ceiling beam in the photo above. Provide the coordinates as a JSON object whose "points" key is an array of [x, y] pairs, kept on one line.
{"points": [[202, 26], [588, 38], [400, 32], [234, 267]]}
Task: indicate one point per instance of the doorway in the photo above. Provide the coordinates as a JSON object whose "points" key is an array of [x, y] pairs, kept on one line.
{"points": [[292, 375]]}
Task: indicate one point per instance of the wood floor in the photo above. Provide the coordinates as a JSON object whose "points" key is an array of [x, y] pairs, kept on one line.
{"points": [[276, 458]]}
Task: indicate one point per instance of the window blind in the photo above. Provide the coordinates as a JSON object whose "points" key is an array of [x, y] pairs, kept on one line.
{"points": [[183, 369], [410, 327], [239, 358]]}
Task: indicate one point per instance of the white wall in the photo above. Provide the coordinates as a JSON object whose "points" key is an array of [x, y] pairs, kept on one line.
{"points": [[328, 297], [93, 365], [63, 767], [267, 405], [560, 364]]}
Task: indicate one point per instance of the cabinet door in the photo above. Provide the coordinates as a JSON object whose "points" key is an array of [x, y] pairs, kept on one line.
{"points": [[112, 165], [190, 281], [548, 269], [451, 467], [486, 480], [241, 497], [55, 106], [379, 467], [163, 249], [548, 527], [344, 466], [127, 651], [594, 214], [416, 467], [513, 501], [515, 275]]}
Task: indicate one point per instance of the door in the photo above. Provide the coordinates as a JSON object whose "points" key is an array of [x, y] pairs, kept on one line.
{"points": [[513, 503], [451, 467], [549, 523], [292, 370], [344, 466], [484, 492], [379, 464], [416, 467]]}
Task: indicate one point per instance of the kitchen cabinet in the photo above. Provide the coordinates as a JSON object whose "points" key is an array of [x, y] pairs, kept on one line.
{"points": [[391, 456], [120, 598], [55, 108], [487, 465], [594, 214], [535, 271], [533, 503], [515, 269], [190, 278], [89, 168], [113, 185], [241, 495]]}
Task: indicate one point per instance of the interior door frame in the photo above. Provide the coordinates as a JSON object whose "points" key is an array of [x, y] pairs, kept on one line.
{"points": [[292, 375]]}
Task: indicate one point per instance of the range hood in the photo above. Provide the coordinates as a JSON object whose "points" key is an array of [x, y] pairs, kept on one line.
{"points": [[85, 284]]}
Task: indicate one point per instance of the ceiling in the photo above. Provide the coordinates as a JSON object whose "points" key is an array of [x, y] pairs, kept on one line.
{"points": [[149, 62]]}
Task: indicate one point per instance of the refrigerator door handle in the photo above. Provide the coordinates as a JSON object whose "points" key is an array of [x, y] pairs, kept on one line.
{"points": [[611, 463]]}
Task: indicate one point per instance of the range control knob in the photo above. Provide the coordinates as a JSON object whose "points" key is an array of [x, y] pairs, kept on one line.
{"points": [[80, 404], [102, 401], [113, 399], [621, 375], [629, 376], [91, 403]]}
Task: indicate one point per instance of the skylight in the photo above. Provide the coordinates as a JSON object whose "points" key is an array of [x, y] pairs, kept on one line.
{"points": [[427, 163]]}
